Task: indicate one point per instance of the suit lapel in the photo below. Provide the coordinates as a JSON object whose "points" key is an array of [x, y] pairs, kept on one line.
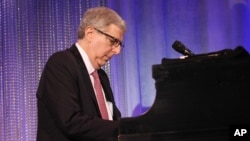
{"points": [[106, 86], [73, 49]]}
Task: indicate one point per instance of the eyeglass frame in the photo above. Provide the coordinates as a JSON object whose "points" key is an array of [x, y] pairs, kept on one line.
{"points": [[114, 42]]}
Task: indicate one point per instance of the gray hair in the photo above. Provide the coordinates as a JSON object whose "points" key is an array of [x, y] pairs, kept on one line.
{"points": [[100, 17]]}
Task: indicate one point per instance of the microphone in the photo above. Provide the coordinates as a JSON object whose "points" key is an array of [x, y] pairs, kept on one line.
{"points": [[179, 47]]}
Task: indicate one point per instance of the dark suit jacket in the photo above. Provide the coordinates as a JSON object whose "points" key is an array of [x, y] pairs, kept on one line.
{"points": [[67, 107]]}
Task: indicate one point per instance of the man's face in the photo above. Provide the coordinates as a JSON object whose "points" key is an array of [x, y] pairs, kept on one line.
{"points": [[103, 47]]}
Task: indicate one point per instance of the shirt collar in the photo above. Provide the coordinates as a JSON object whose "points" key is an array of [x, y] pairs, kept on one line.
{"points": [[85, 59]]}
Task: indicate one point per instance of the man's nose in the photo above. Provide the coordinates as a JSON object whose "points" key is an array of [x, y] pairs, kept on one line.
{"points": [[117, 50]]}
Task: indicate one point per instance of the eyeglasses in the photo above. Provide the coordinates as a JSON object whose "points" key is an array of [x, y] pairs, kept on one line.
{"points": [[114, 41]]}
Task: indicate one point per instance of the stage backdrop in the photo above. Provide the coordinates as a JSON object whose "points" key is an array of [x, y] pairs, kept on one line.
{"points": [[31, 30]]}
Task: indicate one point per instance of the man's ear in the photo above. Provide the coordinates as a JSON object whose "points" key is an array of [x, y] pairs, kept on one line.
{"points": [[89, 33]]}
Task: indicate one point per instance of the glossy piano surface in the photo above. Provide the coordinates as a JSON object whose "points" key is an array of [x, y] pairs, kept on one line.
{"points": [[197, 99]]}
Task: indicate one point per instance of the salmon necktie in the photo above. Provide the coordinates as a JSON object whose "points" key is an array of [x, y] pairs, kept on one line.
{"points": [[100, 96]]}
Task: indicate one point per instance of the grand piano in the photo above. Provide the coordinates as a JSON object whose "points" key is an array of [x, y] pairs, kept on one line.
{"points": [[199, 98]]}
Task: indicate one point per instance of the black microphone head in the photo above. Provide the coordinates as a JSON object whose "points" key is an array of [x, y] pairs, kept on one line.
{"points": [[180, 47]]}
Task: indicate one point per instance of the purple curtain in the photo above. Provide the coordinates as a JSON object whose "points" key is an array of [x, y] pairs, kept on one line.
{"points": [[153, 25], [31, 30]]}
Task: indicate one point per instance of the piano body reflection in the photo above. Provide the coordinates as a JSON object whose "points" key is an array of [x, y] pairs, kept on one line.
{"points": [[197, 99]]}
